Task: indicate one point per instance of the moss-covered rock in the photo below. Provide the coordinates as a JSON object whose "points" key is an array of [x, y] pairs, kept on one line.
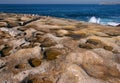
{"points": [[34, 62]]}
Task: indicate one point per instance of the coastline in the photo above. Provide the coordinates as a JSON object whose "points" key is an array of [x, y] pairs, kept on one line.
{"points": [[47, 49]]}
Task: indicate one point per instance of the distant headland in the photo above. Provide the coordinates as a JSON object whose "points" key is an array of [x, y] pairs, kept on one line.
{"points": [[110, 3]]}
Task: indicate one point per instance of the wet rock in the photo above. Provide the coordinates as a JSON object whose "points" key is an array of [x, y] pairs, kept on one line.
{"points": [[34, 62], [52, 54]]}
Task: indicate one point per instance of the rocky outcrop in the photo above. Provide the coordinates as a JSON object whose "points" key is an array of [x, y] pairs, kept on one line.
{"points": [[54, 50]]}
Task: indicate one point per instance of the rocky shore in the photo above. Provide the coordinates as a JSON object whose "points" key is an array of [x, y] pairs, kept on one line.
{"points": [[40, 49]]}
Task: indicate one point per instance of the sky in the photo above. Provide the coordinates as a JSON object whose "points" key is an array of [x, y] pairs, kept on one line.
{"points": [[54, 1]]}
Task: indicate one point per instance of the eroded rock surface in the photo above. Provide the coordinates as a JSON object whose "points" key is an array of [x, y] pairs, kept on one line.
{"points": [[39, 49]]}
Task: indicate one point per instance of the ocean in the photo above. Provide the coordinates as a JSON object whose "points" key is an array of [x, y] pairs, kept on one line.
{"points": [[82, 12]]}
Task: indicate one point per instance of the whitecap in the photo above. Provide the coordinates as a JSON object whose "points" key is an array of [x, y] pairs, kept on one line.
{"points": [[93, 20], [113, 24]]}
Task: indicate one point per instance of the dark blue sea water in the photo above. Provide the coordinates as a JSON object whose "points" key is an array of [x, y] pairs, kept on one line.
{"points": [[110, 13]]}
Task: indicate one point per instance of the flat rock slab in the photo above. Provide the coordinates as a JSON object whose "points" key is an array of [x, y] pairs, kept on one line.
{"points": [[40, 49]]}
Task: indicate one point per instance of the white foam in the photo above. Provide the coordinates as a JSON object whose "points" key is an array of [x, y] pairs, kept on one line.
{"points": [[93, 20], [98, 21], [113, 24], [103, 21]]}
